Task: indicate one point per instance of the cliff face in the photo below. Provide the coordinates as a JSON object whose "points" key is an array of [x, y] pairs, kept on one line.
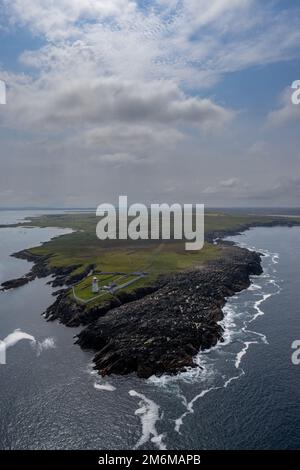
{"points": [[163, 331]]}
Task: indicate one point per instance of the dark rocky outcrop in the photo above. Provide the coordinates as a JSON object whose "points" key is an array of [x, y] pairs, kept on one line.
{"points": [[62, 275], [72, 314], [163, 331], [40, 269], [220, 234], [156, 329], [65, 276]]}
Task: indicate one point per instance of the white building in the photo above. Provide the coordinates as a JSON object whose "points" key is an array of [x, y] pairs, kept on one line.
{"points": [[95, 286]]}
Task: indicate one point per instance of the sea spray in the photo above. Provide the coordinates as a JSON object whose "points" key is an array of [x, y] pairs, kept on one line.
{"points": [[99, 383], [47, 343]]}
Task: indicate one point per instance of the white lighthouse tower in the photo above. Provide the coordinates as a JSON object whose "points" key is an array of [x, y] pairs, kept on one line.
{"points": [[95, 286]]}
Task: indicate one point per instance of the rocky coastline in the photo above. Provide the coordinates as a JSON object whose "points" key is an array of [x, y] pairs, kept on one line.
{"points": [[156, 329], [163, 331], [62, 276], [66, 276]]}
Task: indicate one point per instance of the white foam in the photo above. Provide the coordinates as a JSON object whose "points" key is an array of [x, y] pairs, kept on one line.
{"points": [[257, 305], [242, 353], [90, 370], [16, 336], [262, 337], [229, 325], [149, 415], [254, 287], [190, 407], [232, 379], [47, 343], [98, 383], [105, 386]]}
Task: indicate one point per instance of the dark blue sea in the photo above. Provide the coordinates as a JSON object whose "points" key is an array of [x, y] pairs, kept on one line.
{"points": [[245, 396]]}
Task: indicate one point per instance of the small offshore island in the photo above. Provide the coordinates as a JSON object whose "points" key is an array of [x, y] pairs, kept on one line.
{"points": [[170, 306]]}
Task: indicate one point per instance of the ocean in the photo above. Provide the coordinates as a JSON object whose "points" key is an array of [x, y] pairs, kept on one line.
{"points": [[245, 396]]}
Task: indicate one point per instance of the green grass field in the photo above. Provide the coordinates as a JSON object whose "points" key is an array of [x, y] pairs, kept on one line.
{"points": [[83, 247]]}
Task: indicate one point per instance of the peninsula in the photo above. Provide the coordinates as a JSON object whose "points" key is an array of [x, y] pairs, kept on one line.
{"points": [[158, 304]]}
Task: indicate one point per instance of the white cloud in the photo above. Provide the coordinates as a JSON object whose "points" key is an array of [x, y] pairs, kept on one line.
{"points": [[222, 186], [101, 100], [139, 138], [287, 114], [119, 82], [57, 19], [204, 12], [118, 159], [192, 42], [284, 189]]}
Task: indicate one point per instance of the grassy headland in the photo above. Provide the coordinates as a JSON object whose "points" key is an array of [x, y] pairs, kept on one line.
{"points": [[82, 248]]}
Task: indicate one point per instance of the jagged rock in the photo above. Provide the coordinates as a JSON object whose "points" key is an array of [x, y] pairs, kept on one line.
{"points": [[155, 329], [41, 268], [163, 331]]}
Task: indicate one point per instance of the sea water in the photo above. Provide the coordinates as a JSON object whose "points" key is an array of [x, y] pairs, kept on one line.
{"points": [[246, 395]]}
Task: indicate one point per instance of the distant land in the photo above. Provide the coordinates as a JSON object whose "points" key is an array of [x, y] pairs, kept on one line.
{"points": [[226, 209]]}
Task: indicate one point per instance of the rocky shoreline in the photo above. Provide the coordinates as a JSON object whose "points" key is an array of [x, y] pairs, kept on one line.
{"points": [[156, 329], [61, 275], [65, 276], [221, 234], [164, 331], [160, 328]]}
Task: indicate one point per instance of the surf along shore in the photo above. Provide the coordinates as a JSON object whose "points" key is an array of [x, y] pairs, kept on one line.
{"points": [[159, 324]]}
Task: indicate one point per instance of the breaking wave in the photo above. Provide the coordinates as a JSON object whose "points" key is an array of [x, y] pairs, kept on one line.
{"points": [[219, 367], [222, 365], [99, 383], [104, 386]]}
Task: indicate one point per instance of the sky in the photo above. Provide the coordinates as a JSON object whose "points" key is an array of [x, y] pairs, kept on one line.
{"points": [[161, 100]]}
